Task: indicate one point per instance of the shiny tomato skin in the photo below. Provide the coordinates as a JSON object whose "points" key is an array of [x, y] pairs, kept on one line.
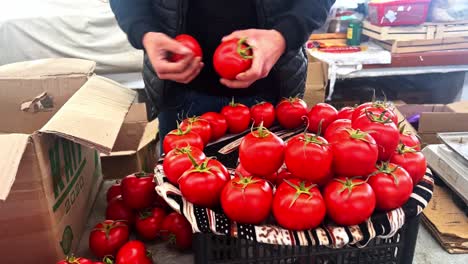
{"points": [[263, 112], [283, 174], [118, 210], [198, 125], [261, 152], [138, 190], [133, 252], [349, 207], [411, 140], [114, 191], [321, 112], [386, 134], [75, 260], [218, 124], [177, 226], [308, 157], [177, 162], [413, 162], [306, 212], [189, 42], [345, 113], [179, 138], [247, 200], [227, 62], [107, 237], [291, 112], [376, 108], [149, 223], [392, 188], [338, 124], [237, 117], [353, 156]]}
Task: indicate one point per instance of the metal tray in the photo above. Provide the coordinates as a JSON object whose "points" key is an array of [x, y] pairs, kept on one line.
{"points": [[457, 141]]}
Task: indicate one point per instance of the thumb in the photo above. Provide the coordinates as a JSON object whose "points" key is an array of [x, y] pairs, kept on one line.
{"points": [[234, 35], [174, 46]]}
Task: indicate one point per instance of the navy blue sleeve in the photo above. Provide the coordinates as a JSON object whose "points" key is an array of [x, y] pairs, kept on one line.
{"points": [[301, 18], [135, 18]]}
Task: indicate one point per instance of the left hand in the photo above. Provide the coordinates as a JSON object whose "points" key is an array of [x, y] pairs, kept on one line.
{"points": [[267, 47]]}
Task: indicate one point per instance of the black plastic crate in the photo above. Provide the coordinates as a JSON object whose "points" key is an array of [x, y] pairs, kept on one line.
{"points": [[209, 248]]}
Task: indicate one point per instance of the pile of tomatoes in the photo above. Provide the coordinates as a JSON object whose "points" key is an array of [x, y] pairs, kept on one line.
{"points": [[133, 205], [362, 163]]}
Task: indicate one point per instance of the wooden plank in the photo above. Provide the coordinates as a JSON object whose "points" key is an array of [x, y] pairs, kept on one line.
{"points": [[424, 45], [408, 49], [420, 59]]}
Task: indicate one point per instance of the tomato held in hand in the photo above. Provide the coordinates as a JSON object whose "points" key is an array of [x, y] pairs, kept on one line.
{"points": [[320, 116], [203, 184], [198, 125], [177, 162], [133, 252], [247, 200], [382, 129], [261, 152], [75, 260], [149, 223], [263, 112], [376, 107], [119, 211], [412, 161], [338, 124], [409, 139], [308, 157], [298, 205], [218, 124], [349, 201], [107, 237], [237, 116], [346, 113], [138, 190], [179, 138], [114, 191], [354, 153], [291, 112], [178, 230], [189, 42], [232, 57], [392, 186]]}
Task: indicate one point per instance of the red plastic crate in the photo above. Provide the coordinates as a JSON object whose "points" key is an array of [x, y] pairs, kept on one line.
{"points": [[398, 12]]}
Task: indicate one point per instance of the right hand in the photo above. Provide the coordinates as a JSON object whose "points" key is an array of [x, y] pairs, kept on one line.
{"points": [[158, 46]]}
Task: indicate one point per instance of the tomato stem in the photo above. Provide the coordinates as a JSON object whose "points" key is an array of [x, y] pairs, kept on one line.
{"points": [[108, 259], [403, 149], [244, 52], [378, 118], [300, 189]]}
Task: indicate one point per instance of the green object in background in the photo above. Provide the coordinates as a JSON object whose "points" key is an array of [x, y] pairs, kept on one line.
{"points": [[354, 33]]}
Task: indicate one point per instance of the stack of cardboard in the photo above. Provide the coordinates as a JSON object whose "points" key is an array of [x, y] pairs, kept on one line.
{"points": [[316, 83]]}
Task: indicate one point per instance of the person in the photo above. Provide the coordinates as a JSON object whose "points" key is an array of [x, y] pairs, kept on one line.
{"points": [[276, 29]]}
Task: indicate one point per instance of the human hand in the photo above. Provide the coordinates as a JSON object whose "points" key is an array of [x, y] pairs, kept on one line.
{"points": [[267, 47], [158, 46]]}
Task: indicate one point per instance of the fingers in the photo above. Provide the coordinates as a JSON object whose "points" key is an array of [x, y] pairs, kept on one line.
{"points": [[236, 84], [192, 69], [257, 70], [164, 66], [173, 46]]}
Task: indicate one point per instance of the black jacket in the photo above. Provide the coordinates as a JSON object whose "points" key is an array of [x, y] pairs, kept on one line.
{"points": [[295, 19]]}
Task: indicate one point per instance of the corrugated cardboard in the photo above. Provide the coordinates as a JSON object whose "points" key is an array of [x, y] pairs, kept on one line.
{"points": [[437, 118], [135, 148], [316, 83], [51, 169]]}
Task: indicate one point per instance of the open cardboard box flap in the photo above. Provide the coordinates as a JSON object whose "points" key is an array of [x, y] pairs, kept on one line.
{"points": [[47, 68], [13, 147]]}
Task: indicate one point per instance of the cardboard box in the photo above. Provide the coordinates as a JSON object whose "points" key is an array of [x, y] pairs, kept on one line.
{"points": [[316, 83], [437, 118], [135, 148], [55, 117]]}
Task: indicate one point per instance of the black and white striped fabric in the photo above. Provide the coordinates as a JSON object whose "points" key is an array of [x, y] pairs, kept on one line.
{"points": [[203, 220]]}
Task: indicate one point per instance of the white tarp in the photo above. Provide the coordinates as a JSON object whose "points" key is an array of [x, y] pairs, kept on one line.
{"points": [[86, 29]]}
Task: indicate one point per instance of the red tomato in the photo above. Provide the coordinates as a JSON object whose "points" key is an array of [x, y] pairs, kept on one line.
{"points": [[409, 139], [237, 116], [291, 112], [247, 200], [198, 125], [203, 184], [149, 223], [242, 172], [75, 260], [308, 157], [138, 190], [321, 114], [338, 124], [392, 186], [133, 252], [161, 203], [177, 161], [298, 205], [117, 210], [283, 174], [232, 57], [218, 124], [114, 191], [412, 161], [179, 138], [354, 153], [349, 201], [382, 129], [261, 152], [189, 42], [178, 230], [345, 113], [107, 237], [376, 108], [263, 112]]}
